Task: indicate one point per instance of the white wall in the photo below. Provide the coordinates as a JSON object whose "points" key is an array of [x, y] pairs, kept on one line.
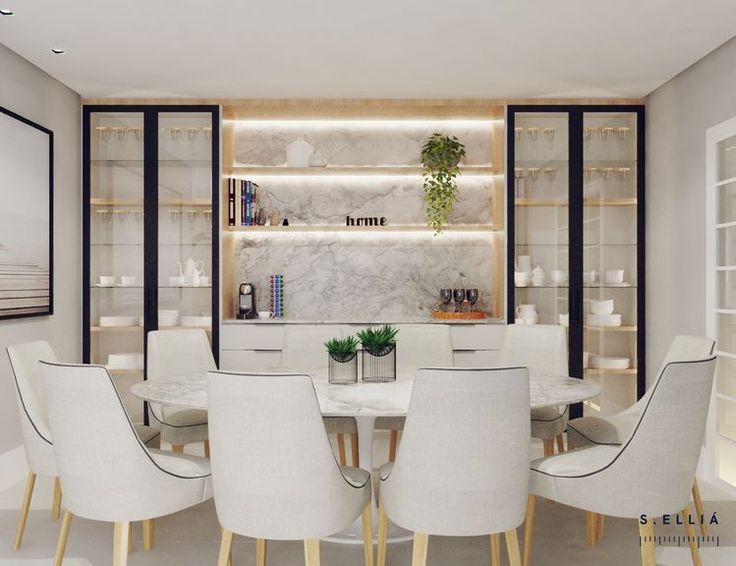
{"points": [[30, 92], [678, 114]]}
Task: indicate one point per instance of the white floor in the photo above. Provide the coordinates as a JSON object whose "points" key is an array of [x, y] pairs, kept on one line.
{"points": [[191, 538]]}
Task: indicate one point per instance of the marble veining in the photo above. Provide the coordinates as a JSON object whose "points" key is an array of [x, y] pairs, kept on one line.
{"points": [[366, 275], [363, 399]]}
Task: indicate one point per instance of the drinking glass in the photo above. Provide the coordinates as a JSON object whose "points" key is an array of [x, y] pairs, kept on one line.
{"points": [[459, 295], [472, 296], [446, 297]]}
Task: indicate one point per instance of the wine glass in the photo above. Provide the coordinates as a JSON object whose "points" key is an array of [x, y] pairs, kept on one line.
{"points": [[472, 296], [446, 297], [459, 295]]}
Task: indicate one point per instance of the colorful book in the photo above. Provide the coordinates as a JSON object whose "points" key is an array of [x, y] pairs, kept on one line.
{"points": [[231, 202]]}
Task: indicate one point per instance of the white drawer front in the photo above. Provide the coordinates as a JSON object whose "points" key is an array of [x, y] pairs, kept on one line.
{"points": [[254, 336]]}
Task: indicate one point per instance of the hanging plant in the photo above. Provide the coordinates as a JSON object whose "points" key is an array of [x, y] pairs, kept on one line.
{"points": [[441, 155]]}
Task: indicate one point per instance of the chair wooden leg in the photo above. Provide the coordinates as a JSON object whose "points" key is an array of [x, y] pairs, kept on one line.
{"points": [[531, 504], [311, 552], [354, 448], [30, 483], [600, 527], [261, 549], [560, 443], [56, 502], [206, 448], [419, 551], [646, 541], [692, 539], [148, 527], [368, 535], [120, 544], [130, 538], [226, 545], [699, 508], [549, 447], [512, 546], [382, 536], [341, 449], [393, 445], [66, 523], [495, 549], [591, 521], [177, 448]]}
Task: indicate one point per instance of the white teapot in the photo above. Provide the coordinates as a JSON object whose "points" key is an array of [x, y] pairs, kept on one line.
{"points": [[191, 271], [527, 314]]}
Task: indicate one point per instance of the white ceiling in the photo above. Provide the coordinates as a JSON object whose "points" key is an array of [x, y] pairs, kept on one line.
{"points": [[373, 48]]}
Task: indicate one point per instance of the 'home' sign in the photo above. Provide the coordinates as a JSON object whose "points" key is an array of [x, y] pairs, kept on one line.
{"points": [[367, 221]]}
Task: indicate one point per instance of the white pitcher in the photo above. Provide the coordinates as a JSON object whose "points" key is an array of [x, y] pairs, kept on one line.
{"points": [[191, 271], [527, 313]]}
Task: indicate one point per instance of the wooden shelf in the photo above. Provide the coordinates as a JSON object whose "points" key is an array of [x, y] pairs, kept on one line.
{"points": [[349, 171], [599, 372], [139, 328], [528, 202], [376, 229], [136, 203], [611, 328]]}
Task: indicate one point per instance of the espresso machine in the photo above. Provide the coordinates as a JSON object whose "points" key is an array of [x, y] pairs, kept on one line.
{"points": [[246, 301]]}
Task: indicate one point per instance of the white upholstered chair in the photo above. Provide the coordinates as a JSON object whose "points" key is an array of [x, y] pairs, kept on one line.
{"points": [[173, 353], [463, 467], [37, 440], [418, 345], [543, 349], [106, 472], [614, 430], [273, 470], [651, 473], [304, 351]]}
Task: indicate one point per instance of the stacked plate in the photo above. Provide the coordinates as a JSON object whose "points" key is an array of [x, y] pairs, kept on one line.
{"points": [[610, 362], [603, 319]]}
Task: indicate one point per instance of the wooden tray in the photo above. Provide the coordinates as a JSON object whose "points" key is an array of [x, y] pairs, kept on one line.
{"points": [[472, 315]]}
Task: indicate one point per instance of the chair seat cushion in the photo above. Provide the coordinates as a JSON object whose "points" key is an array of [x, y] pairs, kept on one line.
{"points": [[182, 465], [612, 430], [356, 477], [340, 425], [390, 423], [148, 435], [548, 422], [576, 462]]}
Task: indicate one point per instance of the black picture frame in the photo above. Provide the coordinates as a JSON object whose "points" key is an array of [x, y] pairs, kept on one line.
{"points": [[50, 310]]}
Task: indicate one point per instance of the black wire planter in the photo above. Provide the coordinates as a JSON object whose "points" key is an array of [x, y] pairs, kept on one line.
{"points": [[343, 372], [379, 367]]}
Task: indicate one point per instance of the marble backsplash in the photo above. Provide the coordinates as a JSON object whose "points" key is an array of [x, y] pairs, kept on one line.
{"points": [[365, 145], [365, 275]]}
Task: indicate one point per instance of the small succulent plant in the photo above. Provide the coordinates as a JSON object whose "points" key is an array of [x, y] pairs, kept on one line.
{"points": [[342, 350], [378, 341]]}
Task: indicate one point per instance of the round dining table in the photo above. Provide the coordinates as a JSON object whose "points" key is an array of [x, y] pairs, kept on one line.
{"points": [[365, 402]]}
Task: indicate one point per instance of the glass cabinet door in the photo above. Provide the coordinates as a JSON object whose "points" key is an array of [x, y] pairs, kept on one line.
{"points": [[116, 306], [609, 277], [185, 220], [541, 201]]}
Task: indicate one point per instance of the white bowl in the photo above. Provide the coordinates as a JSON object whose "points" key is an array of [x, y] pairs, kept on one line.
{"points": [[176, 281], [558, 277], [119, 320], [264, 314], [614, 276], [128, 280], [196, 321], [124, 361], [601, 306], [610, 362], [522, 278], [603, 319], [107, 281]]}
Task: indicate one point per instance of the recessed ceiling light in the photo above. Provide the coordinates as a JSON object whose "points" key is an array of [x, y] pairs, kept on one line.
{"points": [[6, 12], [57, 51]]}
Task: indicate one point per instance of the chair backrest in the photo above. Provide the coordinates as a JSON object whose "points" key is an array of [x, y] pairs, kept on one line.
{"points": [[304, 345], [540, 347], [654, 470], [31, 402], [423, 345], [463, 465], [106, 473], [173, 353], [273, 471]]}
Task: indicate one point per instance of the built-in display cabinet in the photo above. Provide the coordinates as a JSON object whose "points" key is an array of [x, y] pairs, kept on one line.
{"points": [[721, 299], [576, 233], [151, 238]]}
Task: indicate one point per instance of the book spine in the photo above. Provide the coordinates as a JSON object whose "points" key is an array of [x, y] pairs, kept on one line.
{"points": [[242, 203], [231, 202], [248, 207]]}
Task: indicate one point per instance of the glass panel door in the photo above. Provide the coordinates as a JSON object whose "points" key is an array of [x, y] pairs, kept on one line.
{"points": [[116, 249], [610, 258], [541, 201], [185, 220]]}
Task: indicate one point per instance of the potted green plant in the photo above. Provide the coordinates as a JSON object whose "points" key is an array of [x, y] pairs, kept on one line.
{"points": [[379, 353], [343, 360], [441, 155]]}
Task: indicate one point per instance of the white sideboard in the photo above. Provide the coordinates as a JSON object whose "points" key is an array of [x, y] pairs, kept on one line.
{"points": [[256, 345]]}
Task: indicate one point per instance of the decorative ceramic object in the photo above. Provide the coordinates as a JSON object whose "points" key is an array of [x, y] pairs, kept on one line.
{"points": [[528, 313], [298, 153], [538, 276], [318, 160]]}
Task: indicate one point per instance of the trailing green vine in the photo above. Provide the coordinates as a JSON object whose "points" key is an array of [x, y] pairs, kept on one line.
{"points": [[441, 155]]}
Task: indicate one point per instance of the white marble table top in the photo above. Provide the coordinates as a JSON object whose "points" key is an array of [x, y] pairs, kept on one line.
{"points": [[362, 399]]}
